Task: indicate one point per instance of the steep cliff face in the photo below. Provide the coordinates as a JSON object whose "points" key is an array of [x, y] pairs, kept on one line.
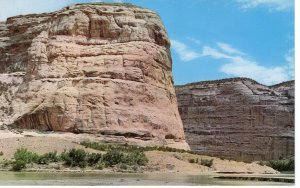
{"points": [[92, 68], [238, 118]]}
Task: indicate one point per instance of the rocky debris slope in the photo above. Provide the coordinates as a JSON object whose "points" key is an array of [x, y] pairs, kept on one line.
{"points": [[238, 118], [90, 68]]}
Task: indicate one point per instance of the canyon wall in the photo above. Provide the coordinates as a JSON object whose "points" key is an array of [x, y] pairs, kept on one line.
{"points": [[90, 68], [238, 118]]}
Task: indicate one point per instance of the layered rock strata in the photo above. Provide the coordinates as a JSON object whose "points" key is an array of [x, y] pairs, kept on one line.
{"points": [[238, 118], [90, 68]]}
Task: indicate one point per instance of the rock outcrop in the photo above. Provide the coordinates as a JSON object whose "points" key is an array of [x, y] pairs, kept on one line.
{"points": [[238, 118], [90, 68]]}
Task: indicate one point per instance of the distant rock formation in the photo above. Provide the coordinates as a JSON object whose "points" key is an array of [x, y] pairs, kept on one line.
{"points": [[238, 118], [90, 68]]}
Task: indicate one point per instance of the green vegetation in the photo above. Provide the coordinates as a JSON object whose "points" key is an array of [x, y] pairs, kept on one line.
{"points": [[18, 165], [94, 158], [79, 158], [280, 165], [48, 158], [1, 153], [99, 166], [136, 158], [75, 157], [206, 162], [123, 157], [113, 157], [22, 154], [130, 148]]}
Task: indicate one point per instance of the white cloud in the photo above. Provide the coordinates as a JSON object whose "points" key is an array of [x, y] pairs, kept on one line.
{"points": [[240, 66], [277, 5], [244, 68], [290, 59], [214, 53], [227, 48], [184, 52], [237, 63]]}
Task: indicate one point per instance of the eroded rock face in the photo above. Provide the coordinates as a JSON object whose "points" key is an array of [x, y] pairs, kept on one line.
{"points": [[93, 68], [238, 118]]}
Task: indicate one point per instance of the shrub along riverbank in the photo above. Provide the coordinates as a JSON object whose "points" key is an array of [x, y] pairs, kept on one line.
{"points": [[280, 165], [128, 148], [79, 158]]}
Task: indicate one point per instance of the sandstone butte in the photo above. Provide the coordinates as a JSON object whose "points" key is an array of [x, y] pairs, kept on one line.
{"points": [[98, 68], [238, 118]]}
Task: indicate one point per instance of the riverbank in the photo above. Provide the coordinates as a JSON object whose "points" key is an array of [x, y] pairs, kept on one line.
{"points": [[159, 161]]}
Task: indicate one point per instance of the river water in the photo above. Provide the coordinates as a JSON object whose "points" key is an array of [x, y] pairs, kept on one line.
{"points": [[67, 178]]}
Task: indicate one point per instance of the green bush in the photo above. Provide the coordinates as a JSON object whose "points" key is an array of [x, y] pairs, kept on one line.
{"points": [[52, 156], [82, 164], [75, 157], [26, 156], [191, 160], [47, 158], [18, 165], [80, 158], [282, 165], [206, 162], [42, 160], [99, 166], [113, 157], [93, 158], [136, 158], [64, 156], [1, 153]]}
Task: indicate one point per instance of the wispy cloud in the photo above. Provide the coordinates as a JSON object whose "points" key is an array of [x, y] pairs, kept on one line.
{"points": [[272, 5], [290, 59], [238, 64], [228, 49], [185, 53]]}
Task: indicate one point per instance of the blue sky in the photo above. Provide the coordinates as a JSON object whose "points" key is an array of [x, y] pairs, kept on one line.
{"points": [[212, 39]]}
